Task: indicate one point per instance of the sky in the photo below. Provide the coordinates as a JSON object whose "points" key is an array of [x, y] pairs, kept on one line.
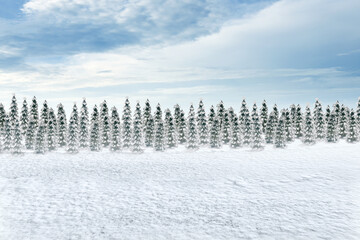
{"points": [[168, 51]]}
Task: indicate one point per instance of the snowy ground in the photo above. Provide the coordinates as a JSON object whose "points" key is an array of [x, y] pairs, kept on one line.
{"points": [[302, 192]]}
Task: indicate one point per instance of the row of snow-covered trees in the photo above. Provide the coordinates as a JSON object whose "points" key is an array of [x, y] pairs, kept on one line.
{"points": [[45, 130]]}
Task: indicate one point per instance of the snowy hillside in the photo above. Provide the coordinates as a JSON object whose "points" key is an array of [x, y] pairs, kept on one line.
{"points": [[300, 192]]}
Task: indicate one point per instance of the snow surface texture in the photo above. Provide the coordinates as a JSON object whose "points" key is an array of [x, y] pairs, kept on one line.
{"points": [[301, 192]]}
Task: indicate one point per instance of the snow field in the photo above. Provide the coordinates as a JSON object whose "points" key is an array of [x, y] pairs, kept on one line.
{"points": [[301, 192]]}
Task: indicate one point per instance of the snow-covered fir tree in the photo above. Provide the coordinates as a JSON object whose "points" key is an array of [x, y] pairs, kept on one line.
{"points": [[264, 115], [220, 113], [84, 125], [40, 138], [31, 133], [270, 128], [256, 132], [331, 128], [95, 141], [13, 113], [215, 135], [192, 136], [202, 124], [298, 129], [211, 116], [276, 113], [73, 135], [293, 114], [34, 111], [226, 128], [17, 146], [115, 141], [7, 144], [246, 127], [148, 123], [254, 111], [231, 114], [319, 121], [343, 121], [126, 128], [62, 126], [336, 110], [137, 140], [105, 124], [235, 134], [170, 131], [44, 116], [177, 113], [159, 143], [327, 114], [308, 126], [51, 131], [2, 118], [288, 125], [280, 133], [158, 114], [243, 111], [182, 128], [353, 132], [24, 117]]}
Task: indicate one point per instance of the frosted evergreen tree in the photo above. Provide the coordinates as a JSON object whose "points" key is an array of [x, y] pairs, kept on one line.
{"points": [[170, 132], [51, 131], [84, 125], [7, 134], [256, 132], [149, 132], [182, 128], [62, 126], [276, 113], [148, 122], [95, 141], [308, 126], [105, 125], [146, 113], [270, 128], [192, 138], [115, 142], [331, 129], [159, 144], [353, 133], [319, 121], [235, 134], [177, 113], [34, 111], [293, 115], [243, 111], [31, 133], [289, 133], [40, 140], [246, 127], [126, 129], [202, 124], [24, 117], [17, 138], [2, 118], [226, 128], [44, 116], [215, 136], [137, 140], [298, 123], [357, 114], [73, 135], [280, 134], [343, 121], [158, 114], [336, 110], [327, 114], [13, 113], [220, 113], [211, 116], [263, 115], [231, 114], [254, 111]]}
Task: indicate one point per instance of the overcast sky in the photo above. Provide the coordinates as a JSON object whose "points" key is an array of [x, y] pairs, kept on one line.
{"points": [[287, 51]]}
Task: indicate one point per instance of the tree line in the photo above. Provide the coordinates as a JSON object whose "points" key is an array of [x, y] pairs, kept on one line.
{"points": [[47, 130]]}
